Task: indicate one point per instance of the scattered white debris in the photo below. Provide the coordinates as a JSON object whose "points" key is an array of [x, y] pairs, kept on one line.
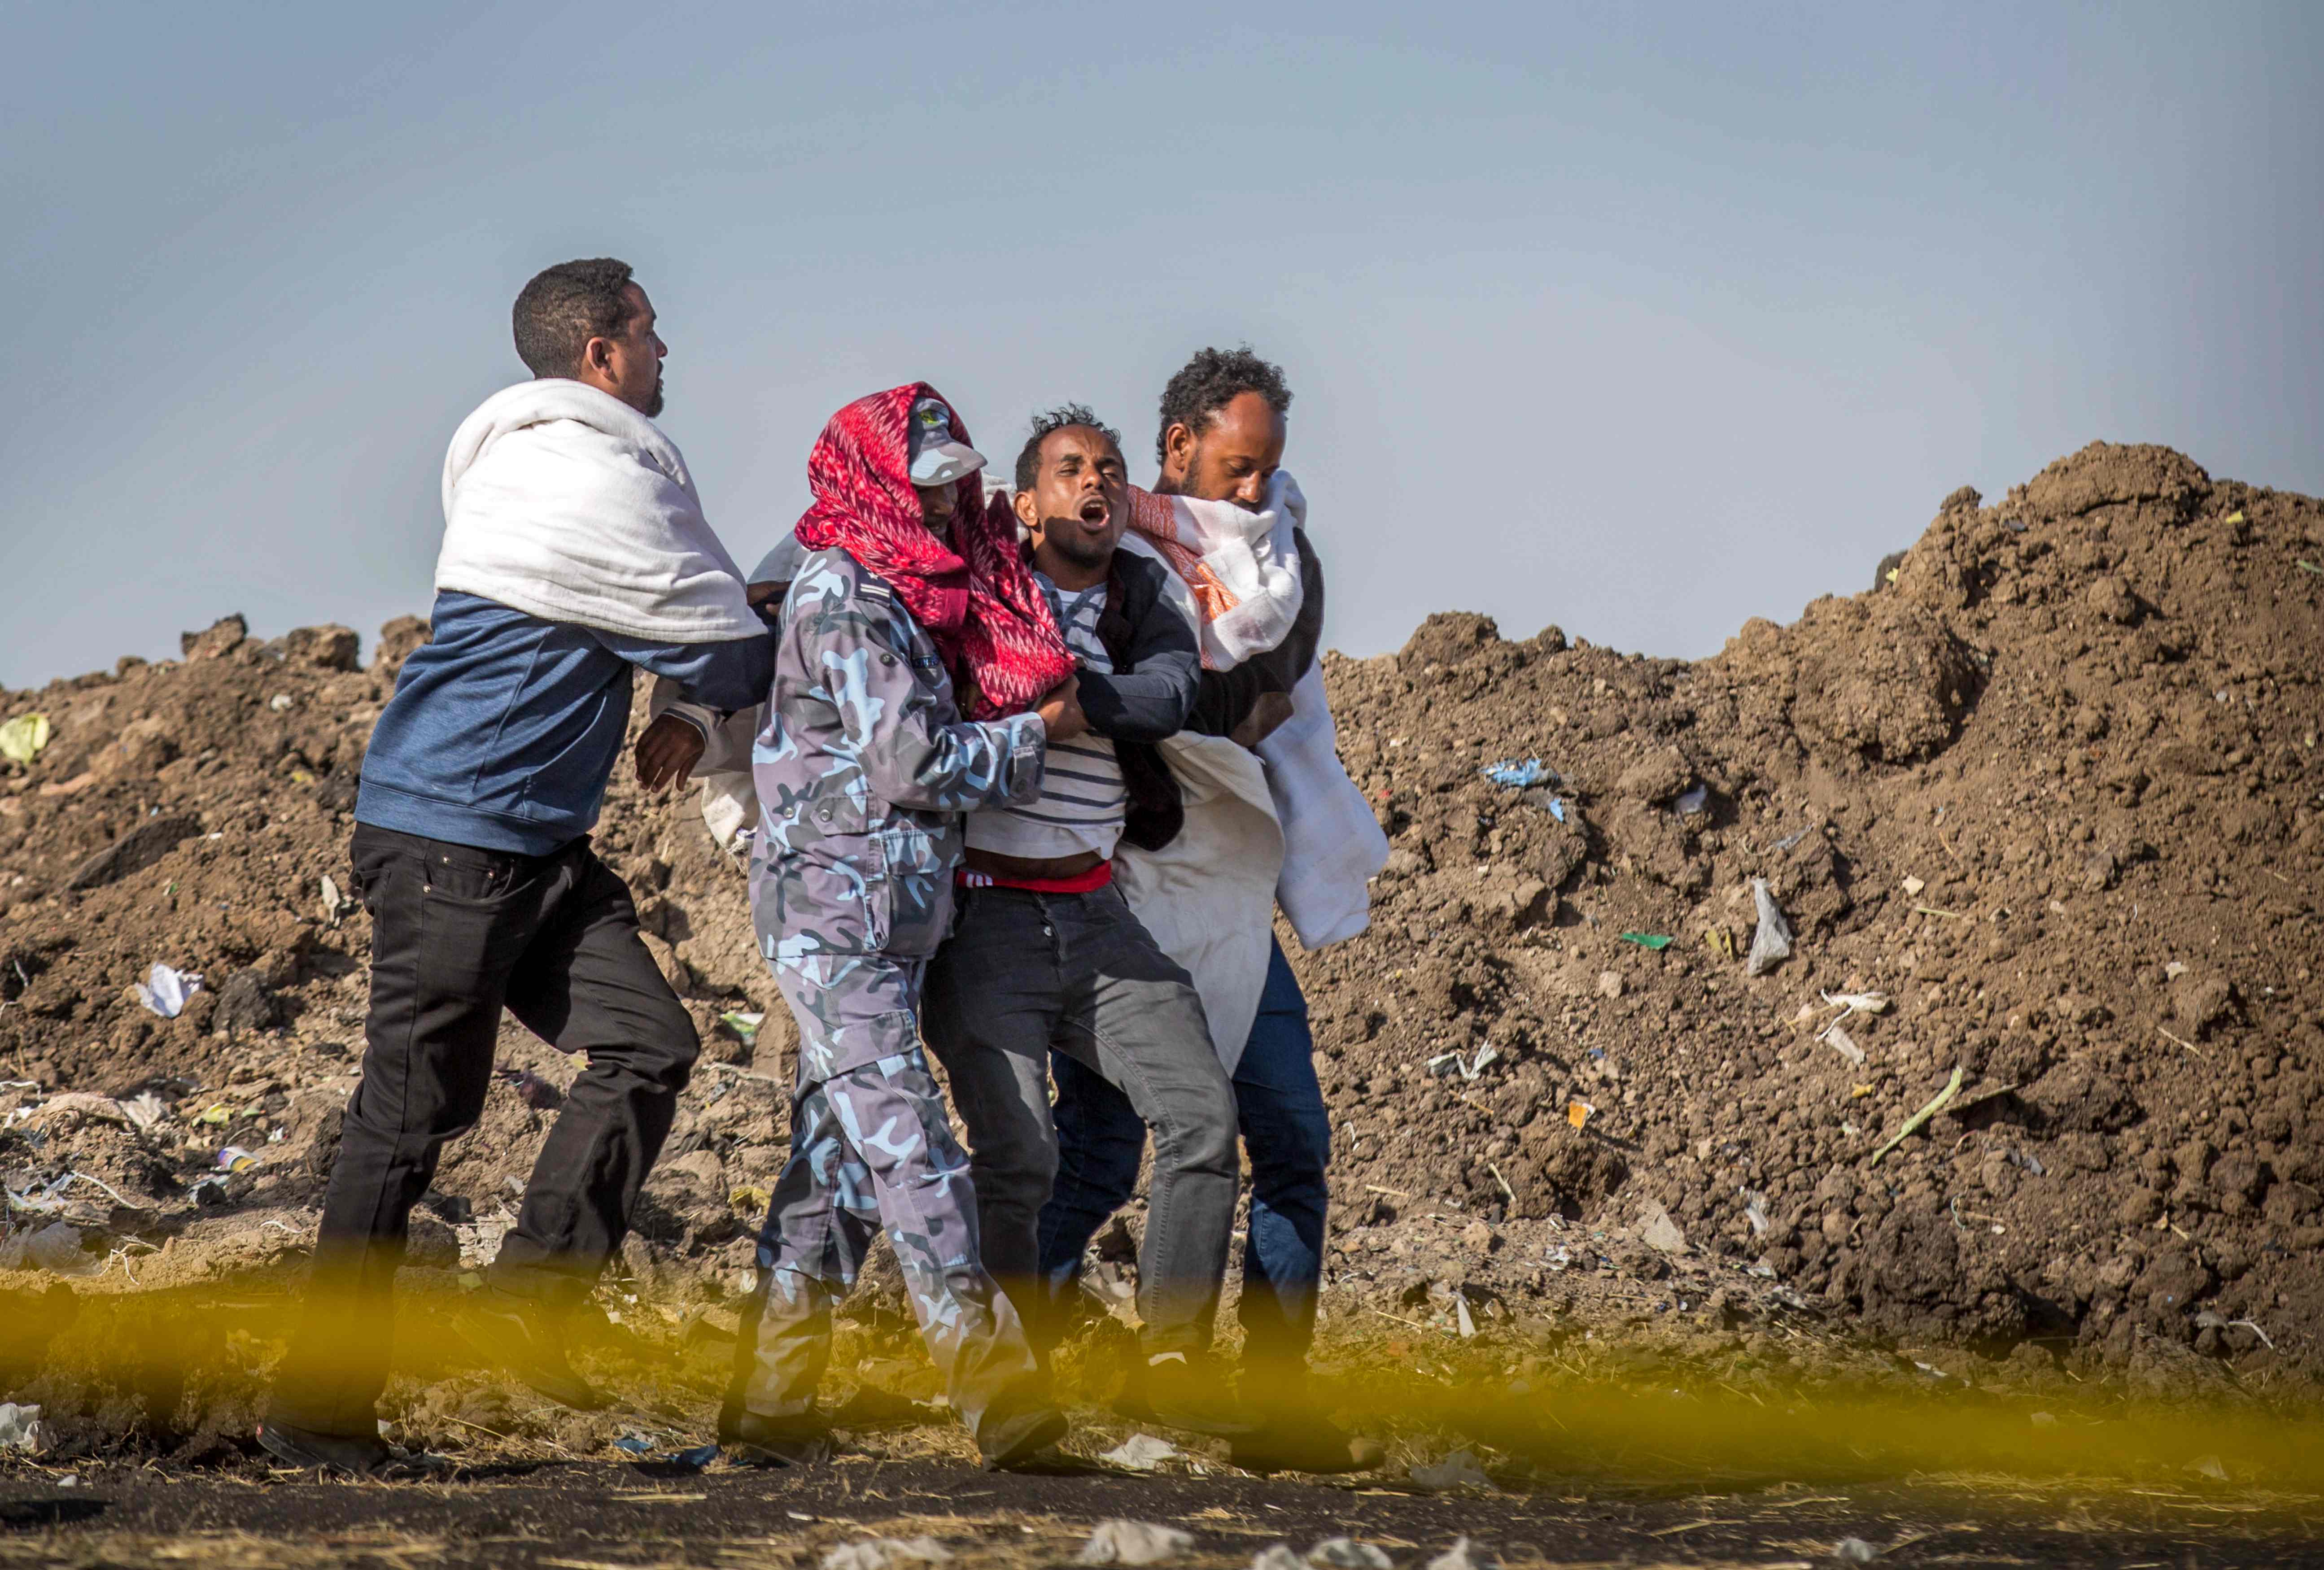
{"points": [[1771, 943], [1127, 1542], [1277, 1557], [1468, 1069], [1464, 1321], [165, 990], [1463, 1556], [1841, 1041], [1140, 1453], [1854, 1551], [1459, 1469], [1350, 1553], [1857, 1002], [2174, 970], [20, 1427], [144, 1110], [1755, 1211], [886, 1554], [2209, 1466], [1657, 1231]]}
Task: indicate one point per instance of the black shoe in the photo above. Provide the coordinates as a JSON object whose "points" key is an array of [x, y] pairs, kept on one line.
{"points": [[1309, 1442], [355, 1454], [1186, 1391], [508, 1331], [771, 1442], [1019, 1425]]}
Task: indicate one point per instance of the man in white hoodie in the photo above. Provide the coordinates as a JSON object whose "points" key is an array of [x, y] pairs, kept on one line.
{"points": [[575, 553]]}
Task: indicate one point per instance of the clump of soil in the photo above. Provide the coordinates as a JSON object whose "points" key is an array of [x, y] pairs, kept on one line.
{"points": [[2051, 788]]}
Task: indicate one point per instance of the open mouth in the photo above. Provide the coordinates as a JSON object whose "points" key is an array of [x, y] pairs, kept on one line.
{"points": [[1095, 514]]}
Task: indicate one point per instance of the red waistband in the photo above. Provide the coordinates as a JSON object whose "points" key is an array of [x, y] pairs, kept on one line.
{"points": [[1089, 882]]}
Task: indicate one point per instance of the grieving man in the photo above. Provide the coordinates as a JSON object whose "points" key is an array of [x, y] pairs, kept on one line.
{"points": [[1045, 956]]}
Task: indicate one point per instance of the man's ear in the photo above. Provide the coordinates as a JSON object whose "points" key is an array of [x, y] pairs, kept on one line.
{"points": [[597, 357], [1027, 511], [1178, 449]]}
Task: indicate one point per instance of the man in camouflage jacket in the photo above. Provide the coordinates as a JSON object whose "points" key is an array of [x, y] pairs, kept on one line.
{"points": [[862, 773]]}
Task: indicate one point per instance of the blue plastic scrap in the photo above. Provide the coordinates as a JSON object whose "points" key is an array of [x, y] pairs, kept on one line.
{"points": [[633, 1445], [1516, 776]]}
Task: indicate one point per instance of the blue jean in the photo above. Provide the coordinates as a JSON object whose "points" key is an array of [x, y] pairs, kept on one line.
{"points": [[1288, 1134]]}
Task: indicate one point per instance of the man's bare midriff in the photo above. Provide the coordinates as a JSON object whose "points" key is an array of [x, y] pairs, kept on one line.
{"points": [[994, 865]]}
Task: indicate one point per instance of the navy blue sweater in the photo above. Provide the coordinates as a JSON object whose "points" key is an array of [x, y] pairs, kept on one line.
{"points": [[504, 728]]}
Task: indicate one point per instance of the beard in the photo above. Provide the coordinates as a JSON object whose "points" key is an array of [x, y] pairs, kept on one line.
{"points": [[654, 404], [1069, 542]]}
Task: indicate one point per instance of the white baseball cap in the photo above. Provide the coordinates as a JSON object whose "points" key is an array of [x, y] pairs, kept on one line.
{"points": [[937, 459]]}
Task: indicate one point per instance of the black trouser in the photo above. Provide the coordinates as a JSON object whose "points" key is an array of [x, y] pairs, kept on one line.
{"points": [[457, 934]]}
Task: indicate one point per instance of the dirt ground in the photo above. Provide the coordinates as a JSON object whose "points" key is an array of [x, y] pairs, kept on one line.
{"points": [[577, 1516], [2045, 800]]}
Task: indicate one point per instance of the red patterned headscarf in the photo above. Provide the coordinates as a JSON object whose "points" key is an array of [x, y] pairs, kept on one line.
{"points": [[975, 596]]}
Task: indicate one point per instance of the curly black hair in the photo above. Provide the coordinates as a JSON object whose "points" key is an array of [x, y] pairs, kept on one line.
{"points": [[1211, 380], [566, 305], [1029, 458]]}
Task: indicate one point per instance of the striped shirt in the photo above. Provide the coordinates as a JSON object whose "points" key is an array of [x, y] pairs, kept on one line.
{"points": [[1082, 796]]}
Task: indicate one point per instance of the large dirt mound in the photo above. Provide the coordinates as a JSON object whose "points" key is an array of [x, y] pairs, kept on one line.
{"points": [[2051, 787]]}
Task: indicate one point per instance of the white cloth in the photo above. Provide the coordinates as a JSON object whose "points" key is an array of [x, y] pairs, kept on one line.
{"points": [[565, 502], [1208, 896], [1244, 565], [1332, 844]]}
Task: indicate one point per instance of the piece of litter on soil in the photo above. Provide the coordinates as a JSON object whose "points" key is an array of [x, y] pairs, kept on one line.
{"points": [[1845, 1045], [1755, 1210], [1913, 886], [2209, 1466], [1857, 1002], [165, 990], [1854, 1551], [144, 1109], [630, 1444], [1951, 1089], [1577, 1113], [1463, 1320], [752, 1199], [1468, 1069], [56, 1247], [2174, 969], [215, 1115], [1350, 1553], [1459, 1469], [1789, 840], [335, 904], [21, 739], [1771, 944], [235, 1159], [1516, 774], [1557, 809], [1657, 942], [20, 1427], [1140, 1453], [1277, 1557], [1463, 1555], [886, 1554], [1692, 802], [1128, 1542], [743, 1026], [1657, 1231]]}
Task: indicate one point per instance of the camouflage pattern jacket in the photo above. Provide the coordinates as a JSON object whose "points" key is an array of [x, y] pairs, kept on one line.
{"points": [[863, 771]]}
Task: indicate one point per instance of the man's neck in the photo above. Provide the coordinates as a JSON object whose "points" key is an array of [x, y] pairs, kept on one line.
{"points": [[1168, 484], [1073, 577]]}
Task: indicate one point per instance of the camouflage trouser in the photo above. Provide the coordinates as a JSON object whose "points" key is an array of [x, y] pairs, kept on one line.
{"points": [[871, 1146]]}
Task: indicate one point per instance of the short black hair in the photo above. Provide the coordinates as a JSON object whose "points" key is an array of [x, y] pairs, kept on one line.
{"points": [[566, 305], [1211, 380], [1028, 459]]}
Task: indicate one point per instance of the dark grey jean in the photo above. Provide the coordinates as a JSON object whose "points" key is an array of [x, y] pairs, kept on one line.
{"points": [[1026, 972]]}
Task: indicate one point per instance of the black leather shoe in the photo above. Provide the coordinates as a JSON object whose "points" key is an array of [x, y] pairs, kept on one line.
{"points": [[509, 1331], [355, 1455], [1186, 1390], [1019, 1425], [1313, 1443], [751, 1440]]}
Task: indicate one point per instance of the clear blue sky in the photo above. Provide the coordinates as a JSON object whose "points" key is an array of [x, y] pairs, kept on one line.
{"points": [[1642, 320]]}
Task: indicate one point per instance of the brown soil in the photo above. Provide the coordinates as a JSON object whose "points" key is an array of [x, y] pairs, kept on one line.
{"points": [[2054, 790]]}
